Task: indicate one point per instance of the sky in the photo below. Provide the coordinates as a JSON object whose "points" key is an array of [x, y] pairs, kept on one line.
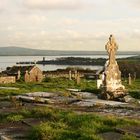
{"points": [[70, 24]]}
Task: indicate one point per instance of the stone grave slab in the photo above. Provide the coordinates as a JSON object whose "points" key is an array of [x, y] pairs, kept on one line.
{"points": [[14, 131], [42, 94], [111, 136], [34, 99], [33, 122], [134, 130], [91, 102]]}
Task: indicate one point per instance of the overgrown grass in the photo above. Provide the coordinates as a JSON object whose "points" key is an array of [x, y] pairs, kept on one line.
{"points": [[134, 88], [61, 84], [62, 125], [66, 125], [52, 85], [129, 137]]}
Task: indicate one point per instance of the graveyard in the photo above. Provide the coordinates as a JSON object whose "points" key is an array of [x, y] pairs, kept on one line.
{"points": [[67, 106], [73, 107]]}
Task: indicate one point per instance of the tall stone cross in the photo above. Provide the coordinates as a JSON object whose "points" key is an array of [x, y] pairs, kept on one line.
{"points": [[111, 48], [112, 84]]}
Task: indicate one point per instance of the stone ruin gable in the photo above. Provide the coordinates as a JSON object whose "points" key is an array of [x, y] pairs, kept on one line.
{"points": [[27, 77], [30, 73], [7, 79], [34, 75]]}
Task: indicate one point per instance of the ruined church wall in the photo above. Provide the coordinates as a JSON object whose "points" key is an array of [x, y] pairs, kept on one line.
{"points": [[7, 79], [35, 75]]}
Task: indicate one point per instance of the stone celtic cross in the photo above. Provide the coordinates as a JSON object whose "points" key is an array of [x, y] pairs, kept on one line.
{"points": [[111, 48]]}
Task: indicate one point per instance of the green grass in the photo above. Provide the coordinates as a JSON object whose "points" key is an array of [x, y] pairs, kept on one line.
{"points": [[14, 118], [52, 85], [134, 89], [65, 125], [61, 84], [129, 137]]}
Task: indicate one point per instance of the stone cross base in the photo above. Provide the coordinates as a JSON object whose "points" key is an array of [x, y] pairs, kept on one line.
{"points": [[112, 85], [114, 95]]}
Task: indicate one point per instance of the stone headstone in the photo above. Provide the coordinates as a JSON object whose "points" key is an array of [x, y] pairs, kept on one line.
{"points": [[99, 83], [129, 79], [75, 74], [19, 75], [135, 76], [70, 75], [78, 78]]}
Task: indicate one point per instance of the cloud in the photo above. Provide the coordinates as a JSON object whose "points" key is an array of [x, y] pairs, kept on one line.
{"points": [[3, 5], [54, 4], [135, 34], [70, 21], [131, 3]]}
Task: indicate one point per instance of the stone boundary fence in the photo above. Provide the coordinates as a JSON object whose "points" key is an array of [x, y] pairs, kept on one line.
{"points": [[7, 79]]}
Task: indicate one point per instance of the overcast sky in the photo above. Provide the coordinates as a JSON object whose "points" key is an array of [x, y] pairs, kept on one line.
{"points": [[70, 24]]}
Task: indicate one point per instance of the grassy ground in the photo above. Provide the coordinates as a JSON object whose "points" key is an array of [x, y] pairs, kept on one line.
{"points": [[50, 85], [61, 84], [133, 89], [67, 125]]}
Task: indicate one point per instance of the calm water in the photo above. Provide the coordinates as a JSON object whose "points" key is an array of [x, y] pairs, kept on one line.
{"points": [[6, 61]]}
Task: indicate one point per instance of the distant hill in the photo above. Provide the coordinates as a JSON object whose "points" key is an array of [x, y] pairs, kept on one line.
{"points": [[18, 51]]}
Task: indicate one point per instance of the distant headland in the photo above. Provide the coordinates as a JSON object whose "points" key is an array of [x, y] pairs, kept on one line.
{"points": [[18, 51]]}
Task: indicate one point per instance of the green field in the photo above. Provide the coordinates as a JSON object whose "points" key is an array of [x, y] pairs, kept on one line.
{"points": [[59, 85], [59, 124]]}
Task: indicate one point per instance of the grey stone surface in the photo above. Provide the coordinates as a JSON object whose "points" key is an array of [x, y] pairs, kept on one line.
{"points": [[5, 138], [91, 102], [14, 131], [33, 122], [73, 90], [111, 136], [85, 95], [133, 130], [42, 94], [129, 99], [34, 99], [10, 88]]}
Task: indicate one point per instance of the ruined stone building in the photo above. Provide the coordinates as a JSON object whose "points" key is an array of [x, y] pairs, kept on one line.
{"points": [[27, 73], [5, 79]]}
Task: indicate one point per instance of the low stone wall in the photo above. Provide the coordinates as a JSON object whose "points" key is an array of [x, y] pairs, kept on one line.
{"points": [[7, 79], [58, 74]]}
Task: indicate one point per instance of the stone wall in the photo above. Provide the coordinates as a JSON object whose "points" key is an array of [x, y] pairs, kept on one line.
{"points": [[35, 75], [61, 75], [7, 79]]}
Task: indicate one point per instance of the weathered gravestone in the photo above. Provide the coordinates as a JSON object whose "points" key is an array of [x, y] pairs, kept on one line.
{"points": [[112, 88], [70, 75], [129, 79]]}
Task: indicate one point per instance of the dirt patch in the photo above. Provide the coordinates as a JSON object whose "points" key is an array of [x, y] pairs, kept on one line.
{"points": [[14, 131], [134, 130], [111, 136], [33, 122]]}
